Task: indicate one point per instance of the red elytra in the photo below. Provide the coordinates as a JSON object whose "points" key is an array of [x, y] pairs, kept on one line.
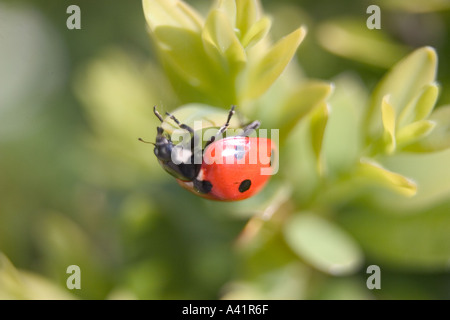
{"points": [[234, 168]]}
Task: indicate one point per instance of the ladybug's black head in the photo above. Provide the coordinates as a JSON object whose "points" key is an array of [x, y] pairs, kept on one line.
{"points": [[176, 160], [163, 147]]}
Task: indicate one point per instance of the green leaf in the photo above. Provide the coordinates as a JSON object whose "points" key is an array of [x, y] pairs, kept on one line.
{"points": [[190, 65], [415, 243], [347, 38], [21, 285], [343, 138], [343, 288], [317, 124], [415, 131], [193, 73], [402, 83], [323, 244], [172, 13], [11, 286], [284, 283], [420, 107], [221, 42], [55, 239], [373, 173], [431, 173], [439, 138], [304, 98], [258, 31], [298, 163], [271, 65], [247, 13], [228, 7], [196, 66], [388, 118]]}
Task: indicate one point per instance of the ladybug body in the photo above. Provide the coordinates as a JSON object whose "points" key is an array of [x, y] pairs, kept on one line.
{"points": [[226, 169]]}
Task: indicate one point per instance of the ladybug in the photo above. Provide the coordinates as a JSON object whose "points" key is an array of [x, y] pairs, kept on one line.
{"points": [[227, 169]]}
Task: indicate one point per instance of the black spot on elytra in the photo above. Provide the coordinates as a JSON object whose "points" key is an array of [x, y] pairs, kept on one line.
{"points": [[245, 185], [203, 186]]}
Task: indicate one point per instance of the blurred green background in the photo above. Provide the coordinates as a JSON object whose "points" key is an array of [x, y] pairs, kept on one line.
{"points": [[77, 188]]}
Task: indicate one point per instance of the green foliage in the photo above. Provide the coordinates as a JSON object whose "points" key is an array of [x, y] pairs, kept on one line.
{"points": [[322, 244], [406, 95], [363, 176], [222, 59], [22, 285]]}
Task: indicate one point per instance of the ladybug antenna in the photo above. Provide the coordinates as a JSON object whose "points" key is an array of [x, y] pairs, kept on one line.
{"points": [[142, 140]]}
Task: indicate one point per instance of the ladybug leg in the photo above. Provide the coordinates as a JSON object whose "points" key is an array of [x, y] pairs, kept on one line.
{"points": [[249, 128], [160, 130], [192, 142], [181, 125], [157, 114], [224, 127]]}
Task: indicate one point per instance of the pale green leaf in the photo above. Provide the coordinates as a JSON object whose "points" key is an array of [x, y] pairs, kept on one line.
{"points": [[290, 281], [343, 288], [11, 286], [352, 40], [200, 68], [247, 13], [257, 31], [22, 285], [343, 138], [415, 243], [221, 42], [56, 235], [193, 73], [414, 131], [296, 138], [439, 138], [40, 288], [402, 83], [228, 7], [388, 118], [272, 64], [323, 244], [174, 13], [420, 107], [304, 98], [373, 173], [431, 173], [182, 51], [317, 124], [297, 153]]}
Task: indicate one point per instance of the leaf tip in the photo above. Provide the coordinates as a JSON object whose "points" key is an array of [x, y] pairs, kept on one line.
{"points": [[303, 30], [431, 52]]}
